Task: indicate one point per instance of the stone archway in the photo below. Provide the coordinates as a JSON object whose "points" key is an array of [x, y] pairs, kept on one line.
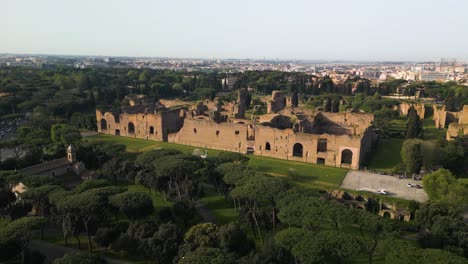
{"points": [[267, 146], [298, 150], [131, 128], [103, 124], [360, 206], [346, 157], [387, 214]]}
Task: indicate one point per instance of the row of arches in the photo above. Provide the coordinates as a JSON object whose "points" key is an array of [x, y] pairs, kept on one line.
{"points": [[131, 127], [346, 154], [298, 151]]}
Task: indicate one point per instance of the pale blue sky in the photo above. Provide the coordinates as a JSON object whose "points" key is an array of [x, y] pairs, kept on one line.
{"points": [[296, 29]]}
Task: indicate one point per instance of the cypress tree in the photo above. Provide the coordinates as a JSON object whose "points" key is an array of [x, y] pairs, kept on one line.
{"points": [[412, 155], [414, 125]]}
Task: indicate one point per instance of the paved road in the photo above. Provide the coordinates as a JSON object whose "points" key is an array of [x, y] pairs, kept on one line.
{"points": [[52, 251], [395, 187]]}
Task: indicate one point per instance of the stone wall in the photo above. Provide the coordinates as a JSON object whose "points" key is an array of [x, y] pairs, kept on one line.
{"points": [[403, 109], [276, 103], [347, 139], [155, 126], [463, 115], [456, 122], [207, 134], [455, 130], [359, 122], [280, 144], [439, 116]]}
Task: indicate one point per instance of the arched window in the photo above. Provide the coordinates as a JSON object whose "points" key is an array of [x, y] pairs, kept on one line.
{"points": [[131, 128], [267, 146], [346, 156], [298, 150], [103, 124], [151, 130]]}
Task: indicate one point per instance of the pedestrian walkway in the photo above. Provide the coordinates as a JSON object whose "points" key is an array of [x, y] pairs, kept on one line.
{"points": [[53, 251]]}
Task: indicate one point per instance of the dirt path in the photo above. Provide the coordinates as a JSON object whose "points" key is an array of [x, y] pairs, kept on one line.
{"points": [[52, 251], [205, 212]]}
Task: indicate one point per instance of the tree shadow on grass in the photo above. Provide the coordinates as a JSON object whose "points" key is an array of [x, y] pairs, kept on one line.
{"points": [[294, 176], [261, 168]]}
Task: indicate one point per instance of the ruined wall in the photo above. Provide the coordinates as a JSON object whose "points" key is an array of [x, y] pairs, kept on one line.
{"points": [[439, 116], [276, 103], [146, 126], [239, 110], [107, 123], [171, 121], [281, 145], [207, 134], [358, 122], [240, 135], [404, 107], [368, 139], [443, 118], [455, 130], [463, 115]]}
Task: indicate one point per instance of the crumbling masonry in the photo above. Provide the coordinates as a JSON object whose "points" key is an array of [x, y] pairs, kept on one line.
{"points": [[287, 132]]}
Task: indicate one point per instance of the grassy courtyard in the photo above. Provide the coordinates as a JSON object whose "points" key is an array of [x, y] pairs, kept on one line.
{"points": [[431, 132], [387, 152], [307, 175]]}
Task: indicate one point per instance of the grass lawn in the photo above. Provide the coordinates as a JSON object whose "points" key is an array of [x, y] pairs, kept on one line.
{"points": [[158, 198], [386, 155], [387, 152], [309, 175], [431, 132], [221, 209]]}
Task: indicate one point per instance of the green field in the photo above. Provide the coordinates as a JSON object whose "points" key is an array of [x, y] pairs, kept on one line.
{"points": [[158, 199], [431, 132], [222, 209], [387, 152], [308, 175], [386, 155]]}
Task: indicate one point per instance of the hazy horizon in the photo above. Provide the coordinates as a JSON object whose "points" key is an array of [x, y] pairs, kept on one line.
{"points": [[337, 30]]}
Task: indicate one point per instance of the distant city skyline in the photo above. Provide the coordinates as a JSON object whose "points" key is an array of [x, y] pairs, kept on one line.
{"points": [[362, 30]]}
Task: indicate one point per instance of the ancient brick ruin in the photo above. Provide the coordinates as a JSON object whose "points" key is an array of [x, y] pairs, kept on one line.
{"points": [[456, 122], [287, 132]]}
